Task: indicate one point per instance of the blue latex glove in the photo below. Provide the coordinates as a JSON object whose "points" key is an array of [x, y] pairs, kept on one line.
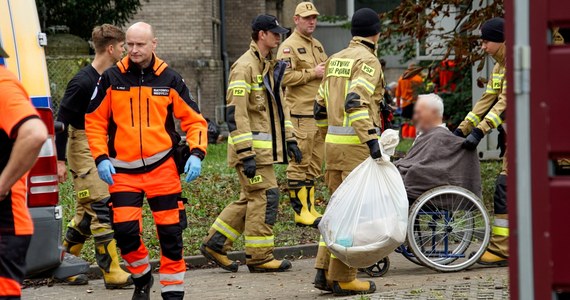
{"points": [[193, 168], [398, 111], [106, 169]]}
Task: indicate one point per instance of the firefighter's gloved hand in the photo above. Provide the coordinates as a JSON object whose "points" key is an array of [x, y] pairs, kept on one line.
{"points": [[473, 139], [459, 133], [294, 152], [249, 167], [193, 168], [502, 141], [106, 171], [374, 147]]}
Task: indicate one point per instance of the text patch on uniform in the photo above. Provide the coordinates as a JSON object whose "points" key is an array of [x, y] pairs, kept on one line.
{"points": [[368, 69], [496, 84], [83, 194], [256, 179], [302, 50], [239, 92], [259, 78], [340, 67], [160, 91], [121, 88]]}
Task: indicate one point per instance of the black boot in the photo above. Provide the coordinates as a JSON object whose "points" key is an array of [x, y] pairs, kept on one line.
{"points": [[142, 286], [175, 295]]}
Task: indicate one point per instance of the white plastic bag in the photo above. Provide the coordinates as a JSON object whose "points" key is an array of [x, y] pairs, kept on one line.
{"points": [[367, 216]]}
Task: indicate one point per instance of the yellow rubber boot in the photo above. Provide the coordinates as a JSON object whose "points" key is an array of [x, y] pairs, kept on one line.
{"points": [[114, 276], [311, 194], [271, 266], [490, 259], [75, 249], [355, 287], [299, 202], [220, 259]]}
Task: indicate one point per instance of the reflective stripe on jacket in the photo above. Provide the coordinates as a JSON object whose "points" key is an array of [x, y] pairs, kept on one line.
{"points": [[258, 119], [489, 111], [347, 105], [130, 118]]}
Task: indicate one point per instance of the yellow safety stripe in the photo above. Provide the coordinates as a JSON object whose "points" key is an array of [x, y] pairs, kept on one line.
{"points": [[323, 123], [364, 83], [225, 229], [259, 241], [333, 256], [342, 139], [490, 90], [321, 91], [240, 138], [289, 124], [262, 144], [359, 115], [240, 84], [326, 94], [257, 87], [494, 118], [502, 231], [473, 118], [322, 242]]}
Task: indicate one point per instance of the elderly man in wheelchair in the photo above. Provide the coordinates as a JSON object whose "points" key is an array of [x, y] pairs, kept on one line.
{"points": [[448, 226]]}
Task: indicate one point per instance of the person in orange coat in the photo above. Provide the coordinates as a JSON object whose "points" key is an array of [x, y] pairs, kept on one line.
{"points": [[407, 91], [22, 135], [132, 137]]}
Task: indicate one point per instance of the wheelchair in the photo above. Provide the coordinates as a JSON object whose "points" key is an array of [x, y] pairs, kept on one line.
{"points": [[448, 231]]}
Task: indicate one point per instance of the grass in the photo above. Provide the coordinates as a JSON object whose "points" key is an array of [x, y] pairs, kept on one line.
{"points": [[218, 186]]}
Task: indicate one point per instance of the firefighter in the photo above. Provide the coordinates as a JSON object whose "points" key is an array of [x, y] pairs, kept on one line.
{"points": [[347, 108], [22, 135], [91, 210], [260, 136], [132, 136], [305, 58], [487, 114]]}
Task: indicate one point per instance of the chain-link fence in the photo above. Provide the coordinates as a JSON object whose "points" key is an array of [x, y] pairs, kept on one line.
{"points": [[60, 70]]}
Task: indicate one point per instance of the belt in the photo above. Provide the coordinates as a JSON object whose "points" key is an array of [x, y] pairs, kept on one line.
{"points": [[303, 116]]}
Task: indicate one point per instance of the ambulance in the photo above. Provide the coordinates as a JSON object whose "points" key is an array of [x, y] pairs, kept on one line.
{"points": [[22, 39]]}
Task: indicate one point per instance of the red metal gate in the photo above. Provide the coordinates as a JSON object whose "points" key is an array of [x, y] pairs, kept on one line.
{"points": [[538, 126]]}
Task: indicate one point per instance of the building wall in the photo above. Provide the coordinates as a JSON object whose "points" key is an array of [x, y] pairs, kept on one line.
{"points": [[238, 17], [188, 40]]}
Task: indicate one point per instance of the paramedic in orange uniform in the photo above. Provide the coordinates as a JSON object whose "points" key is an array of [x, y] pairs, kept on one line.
{"points": [[132, 136], [22, 135]]}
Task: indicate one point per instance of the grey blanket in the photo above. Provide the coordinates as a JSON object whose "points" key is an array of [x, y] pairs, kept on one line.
{"points": [[437, 159]]}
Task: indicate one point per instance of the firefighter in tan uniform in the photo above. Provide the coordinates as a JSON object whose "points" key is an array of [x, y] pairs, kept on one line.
{"points": [[260, 135], [347, 108], [487, 114], [305, 58]]}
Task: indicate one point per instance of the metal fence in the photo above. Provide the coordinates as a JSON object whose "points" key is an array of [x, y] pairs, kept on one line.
{"points": [[60, 71]]}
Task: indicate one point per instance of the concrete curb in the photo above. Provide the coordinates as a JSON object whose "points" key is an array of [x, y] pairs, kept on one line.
{"points": [[198, 261]]}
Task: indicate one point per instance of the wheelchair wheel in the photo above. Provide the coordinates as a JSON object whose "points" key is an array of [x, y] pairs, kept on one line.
{"points": [[378, 269], [449, 229]]}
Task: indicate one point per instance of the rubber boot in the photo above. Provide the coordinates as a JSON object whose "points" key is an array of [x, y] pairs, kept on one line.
{"points": [[175, 295], [113, 275], [220, 259], [271, 266], [355, 287], [75, 249], [321, 281], [493, 260], [143, 285], [310, 185], [299, 202]]}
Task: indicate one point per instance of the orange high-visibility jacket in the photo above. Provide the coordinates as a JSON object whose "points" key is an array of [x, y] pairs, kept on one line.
{"points": [[130, 117], [406, 93]]}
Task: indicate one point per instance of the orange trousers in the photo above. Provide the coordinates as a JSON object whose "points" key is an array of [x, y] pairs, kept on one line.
{"points": [[162, 189], [16, 230]]}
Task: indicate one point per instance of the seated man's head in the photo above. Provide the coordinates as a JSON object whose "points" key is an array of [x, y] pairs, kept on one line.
{"points": [[428, 112]]}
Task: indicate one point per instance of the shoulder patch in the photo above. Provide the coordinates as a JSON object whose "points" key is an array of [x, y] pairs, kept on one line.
{"points": [[368, 69], [302, 50], [240, 92], [340, 67], [259, 78], [286, 50], [320, 49]]}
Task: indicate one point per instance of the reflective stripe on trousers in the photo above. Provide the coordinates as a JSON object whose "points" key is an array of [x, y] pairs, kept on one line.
{"points": [[259, 241], [501, 227], [343, 135]]}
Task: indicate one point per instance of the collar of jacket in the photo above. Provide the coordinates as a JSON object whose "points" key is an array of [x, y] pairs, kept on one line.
{"points": [[500, 55], [307, 38], [368, 44], [255, 50], [157, 65]]}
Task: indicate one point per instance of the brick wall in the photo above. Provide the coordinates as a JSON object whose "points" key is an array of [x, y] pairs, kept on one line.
{"points": [[187, 42]]}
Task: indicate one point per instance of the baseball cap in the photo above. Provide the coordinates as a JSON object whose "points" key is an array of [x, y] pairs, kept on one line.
{"points": [[268, 23], [305, 9], [3, 53]]}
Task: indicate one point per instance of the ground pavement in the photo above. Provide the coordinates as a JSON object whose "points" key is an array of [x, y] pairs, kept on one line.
{"points": [[404, 281]]}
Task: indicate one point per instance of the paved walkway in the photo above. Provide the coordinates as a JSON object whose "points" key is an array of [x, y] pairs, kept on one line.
{"points": [[404, 281]]}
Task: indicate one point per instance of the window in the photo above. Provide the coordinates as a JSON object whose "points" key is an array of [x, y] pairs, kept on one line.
{"points": [[347, 7]]}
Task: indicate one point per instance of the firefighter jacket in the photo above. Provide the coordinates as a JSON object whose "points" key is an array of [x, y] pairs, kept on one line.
{"points": [[302, 54], [258, 119], [347, 105], [130, 117], [489, 111]]}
